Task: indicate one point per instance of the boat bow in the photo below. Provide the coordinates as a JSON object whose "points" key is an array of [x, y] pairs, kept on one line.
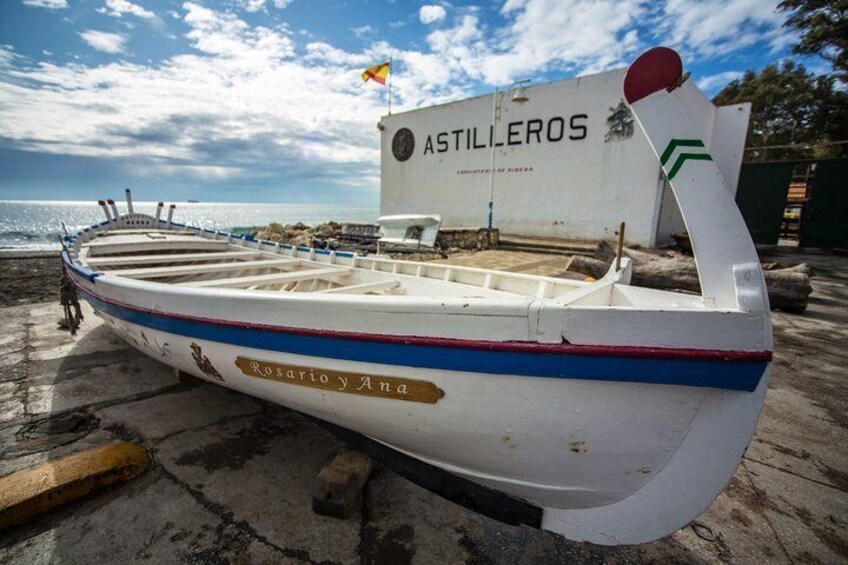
{"points": [[731, 281]]}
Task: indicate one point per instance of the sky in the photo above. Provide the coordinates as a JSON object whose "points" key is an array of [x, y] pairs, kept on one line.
{"points": [[262, 100]]}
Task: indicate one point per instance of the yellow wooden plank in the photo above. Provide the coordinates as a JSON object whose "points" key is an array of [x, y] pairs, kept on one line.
{"points": [[35, 490], [363, 288]]}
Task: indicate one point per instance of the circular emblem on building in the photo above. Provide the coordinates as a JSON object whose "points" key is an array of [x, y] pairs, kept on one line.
{"points": [[403, 144]]}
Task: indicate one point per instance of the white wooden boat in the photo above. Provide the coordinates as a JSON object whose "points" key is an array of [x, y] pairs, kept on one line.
{"points": [[605, 412]]}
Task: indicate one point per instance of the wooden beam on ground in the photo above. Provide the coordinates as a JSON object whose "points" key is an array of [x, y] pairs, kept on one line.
{"points": [[244, 282], [171, 258], [338, 487], [363, 288], [157, 272], [32, 491]]}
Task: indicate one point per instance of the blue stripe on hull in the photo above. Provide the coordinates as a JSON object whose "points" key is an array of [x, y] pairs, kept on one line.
{"points": [[737, 375]]}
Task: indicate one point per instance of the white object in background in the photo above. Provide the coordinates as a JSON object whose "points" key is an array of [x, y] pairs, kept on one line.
{"points": [[102, 204], [416, 230], [171, 209], [115, 214]]}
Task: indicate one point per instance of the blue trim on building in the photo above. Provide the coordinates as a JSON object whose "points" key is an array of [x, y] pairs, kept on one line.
{"points": [[736, 375]]}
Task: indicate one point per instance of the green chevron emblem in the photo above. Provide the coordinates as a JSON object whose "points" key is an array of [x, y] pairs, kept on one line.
{"points": [[683, 157]]}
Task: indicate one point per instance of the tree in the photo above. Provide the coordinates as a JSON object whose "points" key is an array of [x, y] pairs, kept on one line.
{"points": [[823, 25], [791, 106]]}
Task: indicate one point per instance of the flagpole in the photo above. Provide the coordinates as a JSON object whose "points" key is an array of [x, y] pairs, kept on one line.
{"points": [[391, 72]]}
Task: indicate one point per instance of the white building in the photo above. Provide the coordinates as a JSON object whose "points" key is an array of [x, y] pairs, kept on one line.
{"points": [[570, 162]]}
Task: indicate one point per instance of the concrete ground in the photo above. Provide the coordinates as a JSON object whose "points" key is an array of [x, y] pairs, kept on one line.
{"points": [[232, 476]]}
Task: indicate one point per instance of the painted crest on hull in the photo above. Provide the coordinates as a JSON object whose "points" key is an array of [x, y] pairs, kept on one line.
{"points": [[204, 364]]}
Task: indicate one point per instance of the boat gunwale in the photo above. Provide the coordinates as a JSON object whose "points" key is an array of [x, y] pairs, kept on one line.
{"points": [[563, 349]]}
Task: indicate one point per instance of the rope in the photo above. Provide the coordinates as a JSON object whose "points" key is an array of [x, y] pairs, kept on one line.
{"points": [[68, 298]]}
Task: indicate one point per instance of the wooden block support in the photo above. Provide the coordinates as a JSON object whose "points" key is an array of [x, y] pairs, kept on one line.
{"points": [[338, 487], [35, 490]]}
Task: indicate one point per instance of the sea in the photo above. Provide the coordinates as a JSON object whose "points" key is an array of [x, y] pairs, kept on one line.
{"points": [[37, 225]]}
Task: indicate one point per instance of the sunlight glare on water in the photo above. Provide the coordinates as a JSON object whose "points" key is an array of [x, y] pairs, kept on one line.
{"points": [[38, 224]]}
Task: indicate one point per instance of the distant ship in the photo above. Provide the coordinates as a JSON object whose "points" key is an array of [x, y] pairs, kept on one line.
{"points": [[190, 201]]}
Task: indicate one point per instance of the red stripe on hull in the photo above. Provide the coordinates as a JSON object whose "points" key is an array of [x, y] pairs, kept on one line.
{"points": [[482, 345]]}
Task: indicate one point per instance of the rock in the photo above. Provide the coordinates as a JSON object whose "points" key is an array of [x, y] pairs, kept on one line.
{"points": [[328, 228]]}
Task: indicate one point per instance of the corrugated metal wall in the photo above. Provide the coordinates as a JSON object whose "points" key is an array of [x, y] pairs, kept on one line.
{"points": [[761, 198], [826, 220]]}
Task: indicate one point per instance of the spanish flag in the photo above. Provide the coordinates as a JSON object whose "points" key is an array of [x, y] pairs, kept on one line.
{"points": [[377, 72]]}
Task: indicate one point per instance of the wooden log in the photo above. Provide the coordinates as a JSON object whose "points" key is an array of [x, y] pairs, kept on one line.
{"points": [[589, 266], [338, 487], [606, 252], [800, 268], [35, 490], [666, 274], [788, 288], [683, 242]]}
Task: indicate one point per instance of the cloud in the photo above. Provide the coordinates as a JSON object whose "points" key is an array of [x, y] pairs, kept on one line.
{"points": [[718, 80], [586, 36], [49, 4], [117, 8], [567, 35], [431, 13], [362, 31], [240, 107], [246, 101], [104, 41], [256, 5], [7, 56], [715, 27], [224, 34]]}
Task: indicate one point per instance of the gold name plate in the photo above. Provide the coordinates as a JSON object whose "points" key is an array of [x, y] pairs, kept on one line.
{"points": [[337, 381]]}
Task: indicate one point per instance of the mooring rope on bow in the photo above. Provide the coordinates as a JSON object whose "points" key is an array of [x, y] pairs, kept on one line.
{"points": [[68, 298]]}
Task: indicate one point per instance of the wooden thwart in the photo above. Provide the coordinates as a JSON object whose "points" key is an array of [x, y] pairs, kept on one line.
{"points": [[338, 487], [363, 288], [274, 278], [155, 272], [135, 244], [172, 258]]}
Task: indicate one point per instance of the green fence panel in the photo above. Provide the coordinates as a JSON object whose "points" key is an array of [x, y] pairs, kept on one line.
{"points": [[826, 220], [761, 197]]}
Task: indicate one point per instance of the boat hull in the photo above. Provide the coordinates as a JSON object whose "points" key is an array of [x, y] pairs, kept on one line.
{"points": [[566, 444]]}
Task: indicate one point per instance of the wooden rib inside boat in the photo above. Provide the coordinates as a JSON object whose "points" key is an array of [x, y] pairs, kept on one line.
{"points": [[199, 259]]}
